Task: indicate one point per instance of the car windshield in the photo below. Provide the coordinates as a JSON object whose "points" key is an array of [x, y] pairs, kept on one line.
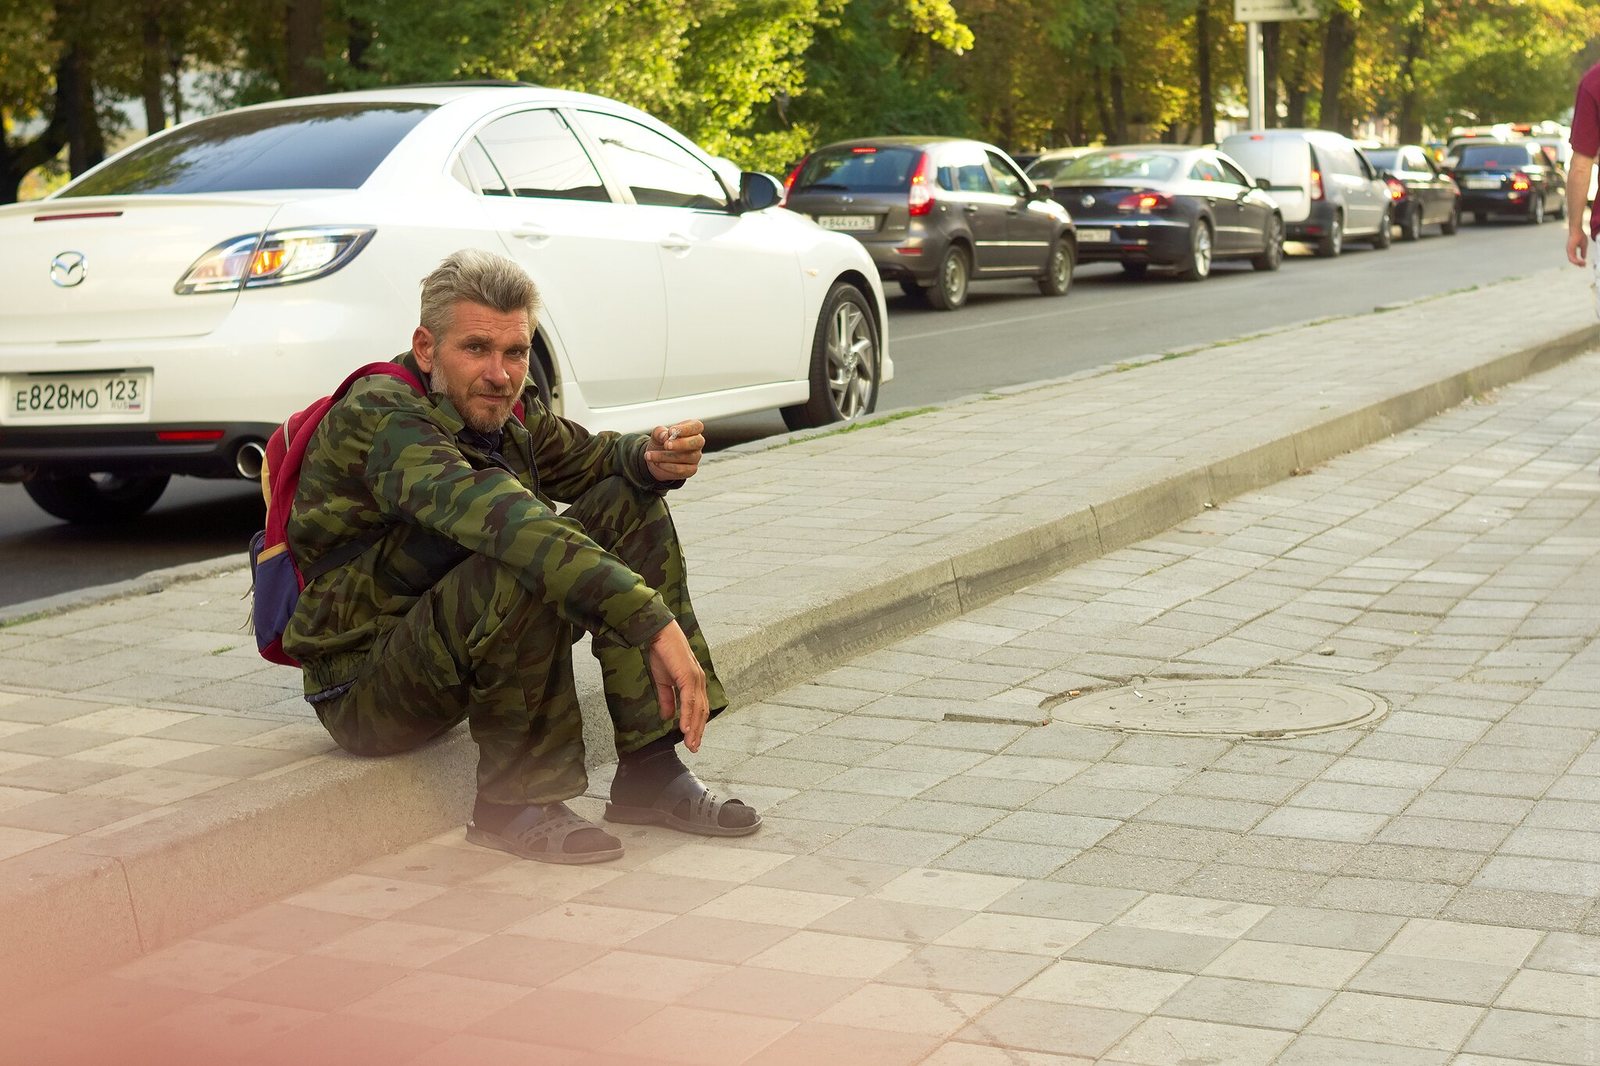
{"points": [[1492, 156], [1382, 158], [1153, 166], [862, 168], [314, 146], [1051, 169]]}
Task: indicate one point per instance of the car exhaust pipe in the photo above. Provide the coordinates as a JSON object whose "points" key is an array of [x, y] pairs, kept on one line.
{"points": [[249, 460]]}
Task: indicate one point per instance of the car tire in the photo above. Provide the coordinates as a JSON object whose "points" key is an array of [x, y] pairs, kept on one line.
{"points": [[913, 291], [1057, 277], [1330, 244], [1136, 270], [1201, 249], [1385, 235], [96, 499], [1536, 211], [1411, 225], [1449, 226], [1272, 257], [949, 289], [845, 362], [539, 383]]}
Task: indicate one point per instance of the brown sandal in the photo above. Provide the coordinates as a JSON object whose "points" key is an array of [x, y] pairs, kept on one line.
{"points": [[540, 832]]}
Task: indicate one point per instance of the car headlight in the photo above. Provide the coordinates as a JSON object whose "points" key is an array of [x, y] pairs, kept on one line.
{"points": [[278, 257]]}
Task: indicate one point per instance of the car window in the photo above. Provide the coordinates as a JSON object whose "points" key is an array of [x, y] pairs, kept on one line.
{"points": [[1492, 156], [474, 169], [1004, 178], [1233, 173], [1340, 159], [859, 168], [539, 157], [1389, 158], [659, 172], [1413, 159], [1547, 157], [306, 146], [1205, 170], [1156, 166]]}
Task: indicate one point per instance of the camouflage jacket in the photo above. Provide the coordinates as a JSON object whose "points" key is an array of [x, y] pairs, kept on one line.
{"points": [[384, 458]]}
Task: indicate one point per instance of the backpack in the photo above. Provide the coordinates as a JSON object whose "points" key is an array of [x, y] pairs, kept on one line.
{"points": [[276, 578]]}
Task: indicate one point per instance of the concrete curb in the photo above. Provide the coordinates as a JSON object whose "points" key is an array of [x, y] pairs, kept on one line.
{"points": [[222, 854]]}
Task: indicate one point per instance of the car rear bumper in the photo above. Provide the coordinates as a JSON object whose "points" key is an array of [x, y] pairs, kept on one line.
{"points": [[1316, 224], [1499, 201], [1163, 242], [212, 449]]}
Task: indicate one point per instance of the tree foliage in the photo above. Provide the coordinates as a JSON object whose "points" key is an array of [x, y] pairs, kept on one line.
{"points": [[761, 80]]}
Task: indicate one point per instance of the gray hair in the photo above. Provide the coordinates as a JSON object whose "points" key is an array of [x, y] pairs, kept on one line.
{"points": [[479, 277]]}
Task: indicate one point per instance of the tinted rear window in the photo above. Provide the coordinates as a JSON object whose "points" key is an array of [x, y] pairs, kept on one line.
{"points": [[317, 146], [860, 169], [1155, 166], [1493, 156], [1383, 158], [1048, 169]]}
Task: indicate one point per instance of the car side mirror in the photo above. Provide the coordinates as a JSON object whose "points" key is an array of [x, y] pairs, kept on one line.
{"points": [[1042, 190], [758, 191], [1263, 184]]}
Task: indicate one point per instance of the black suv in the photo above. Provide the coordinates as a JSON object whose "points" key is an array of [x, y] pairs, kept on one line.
{"points": [[1519, 178], [937, 213]]}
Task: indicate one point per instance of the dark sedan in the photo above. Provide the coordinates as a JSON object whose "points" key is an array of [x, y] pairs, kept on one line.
{"points": [[1172, 207], [1520, 178], [1422, 194]]}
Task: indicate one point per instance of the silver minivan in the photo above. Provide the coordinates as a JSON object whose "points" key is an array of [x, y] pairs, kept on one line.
{"points": [[1328, 190]]}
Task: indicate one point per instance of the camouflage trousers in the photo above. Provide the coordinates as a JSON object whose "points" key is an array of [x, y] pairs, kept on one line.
{"points": [[481, 646]]}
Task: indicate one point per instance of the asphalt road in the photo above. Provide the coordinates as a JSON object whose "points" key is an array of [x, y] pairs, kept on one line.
{"points": [[1007, 334]]}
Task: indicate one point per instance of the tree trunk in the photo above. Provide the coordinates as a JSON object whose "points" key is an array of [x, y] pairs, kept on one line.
{"points": [[1202, 66], [304, 73], [1271, 40], [1103, 106], [360, 36], [152, 65], [86, 146], [1337, 44], [1119, 93], [1296, 94], [1410, 118]]}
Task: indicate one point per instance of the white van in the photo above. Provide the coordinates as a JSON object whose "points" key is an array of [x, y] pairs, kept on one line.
{"points": [[1327, 189]]}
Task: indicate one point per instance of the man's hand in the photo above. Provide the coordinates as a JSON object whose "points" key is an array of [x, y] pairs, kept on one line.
{"points": [[1578, 199], [1577, 247], [674, 451], [680, 683]]}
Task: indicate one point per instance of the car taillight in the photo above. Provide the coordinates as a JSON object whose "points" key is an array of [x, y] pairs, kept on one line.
{"points": [[788, 183], [1144, 202], [280, 257], [1519, 181], [919, 201], [1316, 184], [1397, 189]]}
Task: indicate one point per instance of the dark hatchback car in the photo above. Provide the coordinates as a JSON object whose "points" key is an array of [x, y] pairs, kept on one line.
{"points": [[1422, 195], [937, 213], [1175, 207], [1520, 178]]}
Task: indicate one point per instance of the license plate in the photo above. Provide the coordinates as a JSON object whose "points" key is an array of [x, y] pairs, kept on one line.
{"points": [[113, 394], [1483, 183], [1094, 236], [848, 222]]}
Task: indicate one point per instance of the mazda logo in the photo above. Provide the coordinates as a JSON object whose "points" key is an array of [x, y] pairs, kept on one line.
{"points": [[67, 269], [1087, 201]]}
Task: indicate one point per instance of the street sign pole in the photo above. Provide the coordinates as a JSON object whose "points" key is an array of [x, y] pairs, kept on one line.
{"points": [[1253, 13], [1255, 88]]}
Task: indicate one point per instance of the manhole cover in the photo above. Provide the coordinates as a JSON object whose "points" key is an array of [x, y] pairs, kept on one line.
{"points": [[1253, 708]]}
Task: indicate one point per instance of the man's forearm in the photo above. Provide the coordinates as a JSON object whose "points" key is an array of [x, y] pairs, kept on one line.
{"points": [[1578, 190]]}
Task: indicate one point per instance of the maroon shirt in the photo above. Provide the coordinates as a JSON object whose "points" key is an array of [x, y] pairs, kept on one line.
{"points": [[1585, 137]]}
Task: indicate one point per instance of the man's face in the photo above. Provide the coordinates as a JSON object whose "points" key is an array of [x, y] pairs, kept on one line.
{"points": [[480, 363]]}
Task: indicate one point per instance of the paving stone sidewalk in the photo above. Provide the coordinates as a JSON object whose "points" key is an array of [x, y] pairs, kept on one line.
{"points": [[940, 882]]}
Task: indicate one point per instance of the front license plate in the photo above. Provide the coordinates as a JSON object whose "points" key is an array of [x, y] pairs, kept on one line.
{"points": [[1094, 236], [113, 394], [1483, 183], [848, 222]]}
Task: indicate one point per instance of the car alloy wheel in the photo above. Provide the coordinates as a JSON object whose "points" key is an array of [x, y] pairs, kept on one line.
{"points": [[949, 289], [1271, 256], [1411, 228], [844, 363], [1200, 249], [1057, 277], [1536, 215], [1333, 243]]}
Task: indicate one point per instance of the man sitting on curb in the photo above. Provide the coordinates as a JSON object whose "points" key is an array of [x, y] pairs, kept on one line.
{"points": [[471, 589]]}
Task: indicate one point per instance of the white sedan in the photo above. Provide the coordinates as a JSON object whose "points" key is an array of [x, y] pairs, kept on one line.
{"points": [[166, 310]]}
